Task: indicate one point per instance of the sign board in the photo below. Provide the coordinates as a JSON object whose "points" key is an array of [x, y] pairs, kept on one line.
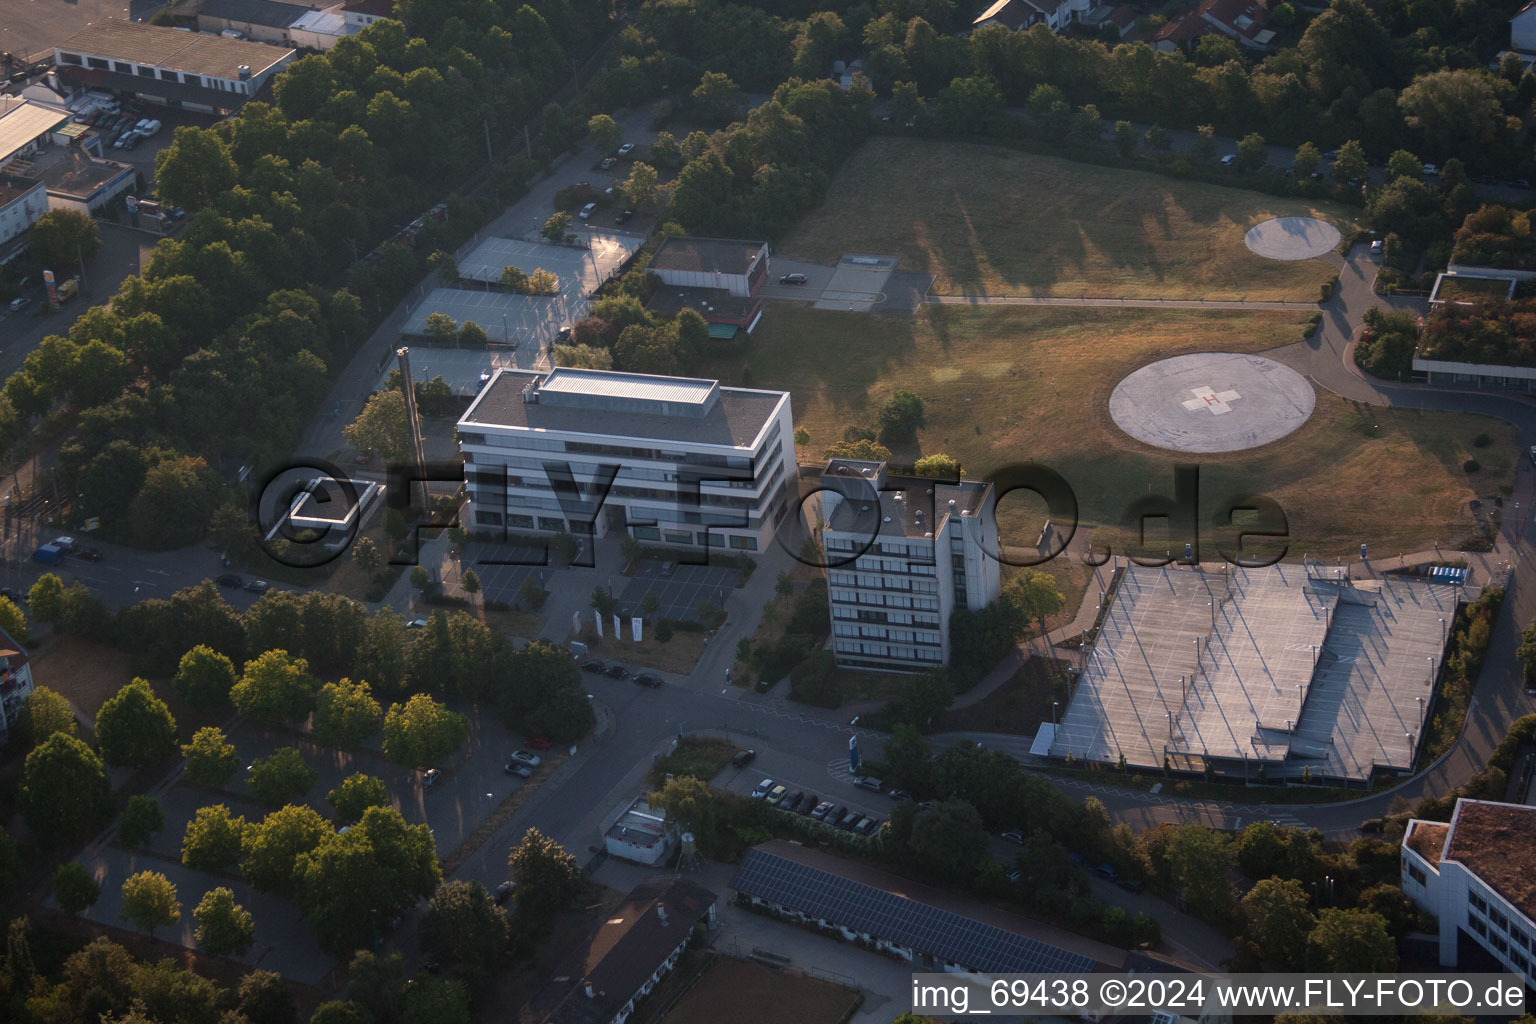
{"points": [[635, 628], [597, 618], [853, 754]]}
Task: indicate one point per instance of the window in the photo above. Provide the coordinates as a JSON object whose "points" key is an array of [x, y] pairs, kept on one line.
{"points": [[98, 64], [69, 58], [744, 543], [526, 522], [645, 533], [145, 72], [170, 76], [678, 538], [121, 68], [485, 518], [1477, 925], [550, 523], [1417, 874], [1478, 902]]}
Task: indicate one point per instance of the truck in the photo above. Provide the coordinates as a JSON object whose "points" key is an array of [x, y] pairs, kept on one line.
{"points": [[48, 554]]}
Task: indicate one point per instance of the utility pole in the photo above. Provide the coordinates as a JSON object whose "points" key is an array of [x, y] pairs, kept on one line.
{"points": [[413, 418], [490, 157]]}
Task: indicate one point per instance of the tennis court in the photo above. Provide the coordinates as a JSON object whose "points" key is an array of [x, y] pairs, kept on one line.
{"points": [[679, 588], [506, 317]]}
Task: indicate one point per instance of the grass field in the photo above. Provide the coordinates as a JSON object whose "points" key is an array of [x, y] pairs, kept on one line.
{"points": [[1018, 706], [1013, 384], [990, 220], [746, 992]]}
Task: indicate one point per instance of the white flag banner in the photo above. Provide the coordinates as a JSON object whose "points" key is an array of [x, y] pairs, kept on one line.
{"points": [[597, 617], [635, 628], [618, 628]]}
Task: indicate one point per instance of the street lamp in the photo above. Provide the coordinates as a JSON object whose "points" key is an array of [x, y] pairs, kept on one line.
{"points": [[1054, 705]]}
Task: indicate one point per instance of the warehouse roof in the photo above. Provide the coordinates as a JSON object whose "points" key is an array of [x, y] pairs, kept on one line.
{"points": [[706, 255], [21, 121], [273, 13], [193, 52]]}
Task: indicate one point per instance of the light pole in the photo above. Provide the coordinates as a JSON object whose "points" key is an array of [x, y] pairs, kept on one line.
{"points": [[505, 336], [1054, 705]]}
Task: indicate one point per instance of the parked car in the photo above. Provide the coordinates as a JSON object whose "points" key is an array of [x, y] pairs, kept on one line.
{"points": [[88, 555], [1108, 871], [743, 759], [503, 891], [792, 802], [792, 279], [230, 579], [762, 789], [16, 597], [151, 128], [1378, 247], [1520, 183], [645, 680], [529, 759], [1533, 453], [626, 149], [17, 305], [623, 218], [429, 778], [900, 794], [865, 825], [810, 803], [834, 815], [819, 812], [617, 672], [539, 742], [776, 795], [416, 624], [1131, 885], [608, 162], [587, 211], [1229, 160], [849, 820], [66, 544], [867, 782], [258, 586], [592, 666], [1013, 836], [519, 769], [1430, 170], [1013, 876]]}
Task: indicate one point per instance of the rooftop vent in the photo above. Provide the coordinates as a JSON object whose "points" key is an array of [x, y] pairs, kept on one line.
{"points": [[245, 72], [661, 912], [863, 508], [885, 519], [951, 502], [928, 535], [965, 512]]}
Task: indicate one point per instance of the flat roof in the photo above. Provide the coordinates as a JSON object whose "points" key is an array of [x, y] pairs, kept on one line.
{"points": [[79, 176], [706, 255], [1294, 671], [1427, 839], [194, 52], [671, 299], [273, 13], [13, 187], [908, 506], [735, 418], [1497, 843], [22, 121], [868, 899], [322, 22], [639, 825], [638, 387]]}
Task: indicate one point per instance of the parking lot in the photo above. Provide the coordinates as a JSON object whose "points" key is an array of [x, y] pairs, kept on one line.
{"points": [[831, 783], [503, 567], [679, 588]]}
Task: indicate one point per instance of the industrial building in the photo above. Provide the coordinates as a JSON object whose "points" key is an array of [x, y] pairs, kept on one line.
{"points": [[1475, 875], [639, 834], [190, 70], [672, 460], [85, 185], [903, 553], [718, 278], [22, 201], [27, 126], [1280, 672]]}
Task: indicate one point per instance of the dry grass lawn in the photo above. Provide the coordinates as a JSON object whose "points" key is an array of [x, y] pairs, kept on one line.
{"points": [[995, 221], [747, 992], [1014, 384], [679, 654]]}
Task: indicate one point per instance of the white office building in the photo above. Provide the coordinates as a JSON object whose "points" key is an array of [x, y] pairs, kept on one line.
{"points": [[671, 460], [912, 550], [1475, 876]]}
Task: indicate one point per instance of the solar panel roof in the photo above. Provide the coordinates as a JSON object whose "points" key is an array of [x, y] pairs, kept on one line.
{"points": [[906, 922]]}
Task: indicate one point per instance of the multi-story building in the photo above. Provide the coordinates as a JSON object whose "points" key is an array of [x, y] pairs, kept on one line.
{"points": [[15, 683], [671, 460], [903, 553], [1475, 876]]}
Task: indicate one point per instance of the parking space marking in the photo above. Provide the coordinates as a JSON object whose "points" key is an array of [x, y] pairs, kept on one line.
{"points": [[680, 593]]}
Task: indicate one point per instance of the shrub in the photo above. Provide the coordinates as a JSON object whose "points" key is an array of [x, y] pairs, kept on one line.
{"points": [[1481, 441], [1471, 466]]}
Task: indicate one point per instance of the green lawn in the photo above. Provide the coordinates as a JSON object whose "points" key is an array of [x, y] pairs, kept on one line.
{"points": [[990, 220], [1010, 384]]}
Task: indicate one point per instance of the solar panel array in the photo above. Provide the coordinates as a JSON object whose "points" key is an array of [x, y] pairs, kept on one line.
{"points": [[906, 922]]}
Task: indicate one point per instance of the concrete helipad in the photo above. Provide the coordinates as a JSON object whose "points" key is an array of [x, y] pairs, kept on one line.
{"points": [[1211, 402], [1292, 238]]}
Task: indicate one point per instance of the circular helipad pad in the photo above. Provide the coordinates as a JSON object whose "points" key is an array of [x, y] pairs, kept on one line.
{"points": [[1211, 402], [1292, 238]]}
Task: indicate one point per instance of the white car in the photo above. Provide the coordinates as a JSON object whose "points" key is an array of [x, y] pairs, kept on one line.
{"points": [[150, 129], [416, 624], [1430, 170], [626, 149], [1229, 160], [762, 789], [526, 757], [587, 211], [1377, 247]]}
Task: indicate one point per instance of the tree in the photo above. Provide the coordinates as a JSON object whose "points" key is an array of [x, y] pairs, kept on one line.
{"points": [[62, 239], [604, 132], [355, 794], [689, 803], [547, 877], [211, 758], [353, 881], [422, 732], [142, 817], [273, 847], [1458, 111], [1351, 941], [281, 777], [74, 888], [1350, 164], [337, 1011], [436, 1001], [557, 226], [1308, 158], [382, 427], [13, 621], [365, 553], [908, 757], [464, 927], [1403, 164], [1277, 920], [1158, 139], [861, 449], [472, 335], [65, 793], [543, 282], [47, 713], [1250, 152], [195, 170], [470, 581], [639, 188], [969, 106], [1204, 150], [901, 416], [1526, 652], [265, 998], [135, 728], [906, 103], [274, 689], [513, 279], [948, 839], [443, 330], [1125, 139], [377, 984], [1033, 595], [715, 98], [149, 901], [224, 927], [46, 598], [1196, 862], [345, 714], [924, 696], [944, 467], [204, 677], [213, 839]]}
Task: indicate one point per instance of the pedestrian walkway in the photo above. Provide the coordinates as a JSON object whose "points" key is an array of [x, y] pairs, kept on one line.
{"points": [[1106, 302]]}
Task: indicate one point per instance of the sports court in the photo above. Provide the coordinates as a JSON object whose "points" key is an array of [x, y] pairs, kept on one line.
{"points": [[460, 368], [858, 283], [580, 270], [681, 591], [506, 317]]}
